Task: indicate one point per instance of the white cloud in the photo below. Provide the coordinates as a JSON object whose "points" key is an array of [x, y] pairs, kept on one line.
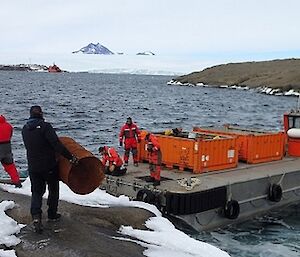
{"points": [[165, 27]]}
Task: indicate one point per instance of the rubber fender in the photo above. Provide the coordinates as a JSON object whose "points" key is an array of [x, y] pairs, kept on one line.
{"points": [[146, 196], [275, 193], [232, 209]]}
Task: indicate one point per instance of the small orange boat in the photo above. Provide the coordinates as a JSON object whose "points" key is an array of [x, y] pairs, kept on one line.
{"points": [[54, 68]]}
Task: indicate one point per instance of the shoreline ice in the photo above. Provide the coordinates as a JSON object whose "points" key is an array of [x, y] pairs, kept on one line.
{"points": [[162, 238]]}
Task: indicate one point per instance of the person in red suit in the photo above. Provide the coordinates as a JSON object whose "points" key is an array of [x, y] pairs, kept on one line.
{"points": [[6, 156], [155, 158], [131, 135], [111, 161]]}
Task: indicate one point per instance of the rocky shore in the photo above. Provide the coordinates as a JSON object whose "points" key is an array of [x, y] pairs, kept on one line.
{"points": [[278, 77], [82, 231]]}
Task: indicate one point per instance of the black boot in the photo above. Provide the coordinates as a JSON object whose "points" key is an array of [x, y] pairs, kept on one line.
{"points": [[18, 185], [156, 183], [150, 179], [55, 217], [37, 223]]}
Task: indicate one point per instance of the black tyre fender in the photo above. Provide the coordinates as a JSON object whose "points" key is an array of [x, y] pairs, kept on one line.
{"points": [[232, 209], [275, 193], [146, 196]]}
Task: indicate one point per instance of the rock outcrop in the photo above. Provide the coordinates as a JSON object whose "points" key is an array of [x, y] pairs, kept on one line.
{"points": [[276, 74], [82, 231]]}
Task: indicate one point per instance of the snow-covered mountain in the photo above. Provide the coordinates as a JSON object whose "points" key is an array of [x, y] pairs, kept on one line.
{"points": [[94, 49], [146, 53]]}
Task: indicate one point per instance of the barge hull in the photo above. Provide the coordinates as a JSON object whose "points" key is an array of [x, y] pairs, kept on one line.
{"points": [[212, 200]]}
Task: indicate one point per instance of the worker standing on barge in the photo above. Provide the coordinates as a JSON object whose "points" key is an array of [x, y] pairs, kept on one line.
{"points": [[155, 158], [131, 135]]}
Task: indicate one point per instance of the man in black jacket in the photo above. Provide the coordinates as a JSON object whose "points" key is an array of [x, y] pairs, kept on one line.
{"points": [[42, 146]]}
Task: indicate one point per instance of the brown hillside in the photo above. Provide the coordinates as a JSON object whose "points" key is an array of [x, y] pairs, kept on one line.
{"points": [[284, 74]]}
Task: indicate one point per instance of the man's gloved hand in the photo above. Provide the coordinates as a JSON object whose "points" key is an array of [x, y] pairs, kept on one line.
{"points": [[121, 143], [112, 168], [150, 148], [74, 160]]}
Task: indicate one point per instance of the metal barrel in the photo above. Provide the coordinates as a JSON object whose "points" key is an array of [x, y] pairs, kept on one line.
{"points": [[85, 177]]}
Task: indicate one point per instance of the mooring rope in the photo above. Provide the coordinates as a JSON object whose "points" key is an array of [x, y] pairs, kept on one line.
{"points": [[189, 183]]}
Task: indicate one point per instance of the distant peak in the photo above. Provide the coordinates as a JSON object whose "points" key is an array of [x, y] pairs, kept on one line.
{"points": [[146, 53], [92, 48]]}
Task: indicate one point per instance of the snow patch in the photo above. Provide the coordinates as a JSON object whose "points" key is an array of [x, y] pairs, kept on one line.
{"points": [[9, 228], [263, 90], [162, 238]]}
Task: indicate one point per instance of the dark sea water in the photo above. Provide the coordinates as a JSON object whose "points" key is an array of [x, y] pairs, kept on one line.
{"points": [[92, 107]]}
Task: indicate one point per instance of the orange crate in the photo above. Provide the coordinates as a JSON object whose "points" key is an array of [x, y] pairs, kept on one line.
{"points": [[142, 152], [294, 147], [217, 154], [177, 151], [200, 155], [253, 146]]}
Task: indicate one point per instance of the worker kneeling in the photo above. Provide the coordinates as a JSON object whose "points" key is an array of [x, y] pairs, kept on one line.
{"points": [[111, 161]]}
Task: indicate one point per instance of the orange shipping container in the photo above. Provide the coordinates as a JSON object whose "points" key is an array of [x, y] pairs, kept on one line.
{"points": [[142, 152], [294, 147], [253, 146], [202, 154]]}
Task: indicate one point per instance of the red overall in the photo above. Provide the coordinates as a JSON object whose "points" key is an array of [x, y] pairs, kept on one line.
{"points": [[111, 157], [112, 162], [131, 135], [154, 154], [6, 157]]}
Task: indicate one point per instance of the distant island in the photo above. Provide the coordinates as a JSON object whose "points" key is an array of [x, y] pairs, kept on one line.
{"points": [[273, 77], [31, 67], [24, 67]]}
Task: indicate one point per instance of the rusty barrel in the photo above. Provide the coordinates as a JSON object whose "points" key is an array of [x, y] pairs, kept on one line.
{"points": [[85, 177]]}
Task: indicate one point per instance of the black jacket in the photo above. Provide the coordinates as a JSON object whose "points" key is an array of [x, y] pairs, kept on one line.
{"points": [[42, 144]]}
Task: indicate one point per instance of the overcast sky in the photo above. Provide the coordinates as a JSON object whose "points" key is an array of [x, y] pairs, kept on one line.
{"points": [[166, 27]]}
